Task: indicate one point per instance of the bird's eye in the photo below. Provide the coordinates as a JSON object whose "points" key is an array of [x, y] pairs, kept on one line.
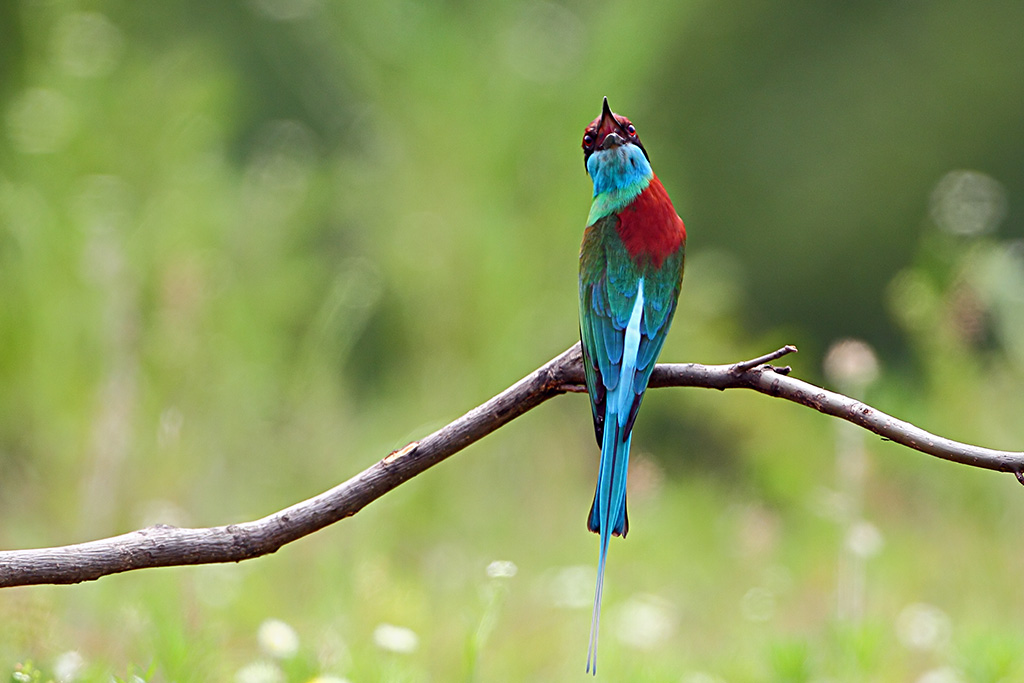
{"points": [[631, 129], [588, 140]]}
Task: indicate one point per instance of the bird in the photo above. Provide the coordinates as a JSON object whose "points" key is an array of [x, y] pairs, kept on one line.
{"points": [[631, 270]]}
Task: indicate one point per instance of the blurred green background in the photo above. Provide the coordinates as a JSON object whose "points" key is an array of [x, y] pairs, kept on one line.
{"points": [[248, 248]]}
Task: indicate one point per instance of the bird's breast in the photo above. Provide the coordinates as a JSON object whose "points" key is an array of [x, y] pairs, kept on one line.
{"points": [[649, 226]]}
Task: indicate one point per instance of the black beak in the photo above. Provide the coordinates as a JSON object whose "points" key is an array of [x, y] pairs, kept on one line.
{"points": [[612, 140], [609, 124]]}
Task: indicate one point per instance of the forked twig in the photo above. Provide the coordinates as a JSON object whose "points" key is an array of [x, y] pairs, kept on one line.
{"points": [[166, 546]]}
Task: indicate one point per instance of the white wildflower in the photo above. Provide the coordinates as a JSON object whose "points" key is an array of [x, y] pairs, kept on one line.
{"points": [[502, 569], [396, 639], [259, 672], [278, 639], [701, 677], [941, 675], [68, 666]]}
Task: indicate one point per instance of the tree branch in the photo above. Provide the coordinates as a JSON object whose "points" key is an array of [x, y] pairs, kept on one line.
{"points": [[167, 546]]}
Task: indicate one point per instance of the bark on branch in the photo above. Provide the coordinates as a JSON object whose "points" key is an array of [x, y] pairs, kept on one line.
{"points": [[166, 546]]}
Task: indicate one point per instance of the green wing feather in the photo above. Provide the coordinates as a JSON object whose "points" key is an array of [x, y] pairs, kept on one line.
{"points": [[608, 285]]}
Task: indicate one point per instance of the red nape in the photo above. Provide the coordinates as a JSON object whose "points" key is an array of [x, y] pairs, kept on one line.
{"points": [[649, 226]]}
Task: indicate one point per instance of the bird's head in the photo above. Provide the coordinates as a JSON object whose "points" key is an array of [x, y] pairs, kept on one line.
{"points": [[612, 150]]}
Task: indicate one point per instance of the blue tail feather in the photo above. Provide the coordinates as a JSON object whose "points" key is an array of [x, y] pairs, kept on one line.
{"points": [[608, 513]]}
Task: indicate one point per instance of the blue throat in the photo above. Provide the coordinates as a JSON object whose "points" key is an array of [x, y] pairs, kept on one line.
{"points": [[619, 175]]}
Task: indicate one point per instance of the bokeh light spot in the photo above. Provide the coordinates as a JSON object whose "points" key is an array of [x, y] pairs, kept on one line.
{"points": [[573, 587], [87, 44], [645, 621], [851, 362], [968, 203], [758, 604], [921, 626], [864, 539], [278, 176], [41, 121]]}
